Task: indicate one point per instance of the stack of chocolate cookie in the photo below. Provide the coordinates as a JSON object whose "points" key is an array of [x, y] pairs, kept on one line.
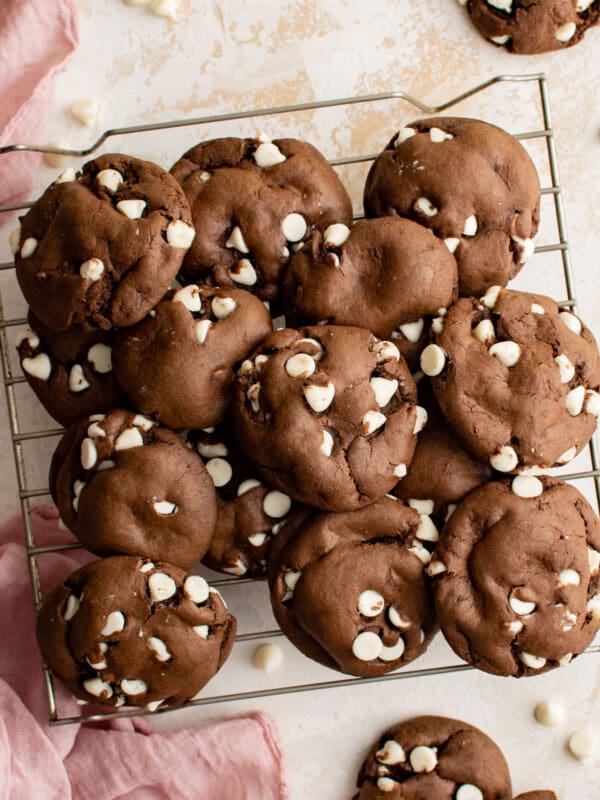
{"points": [[328, 456]]}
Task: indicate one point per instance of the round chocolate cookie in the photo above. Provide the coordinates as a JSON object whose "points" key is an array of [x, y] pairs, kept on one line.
{"points": [[328, 415], [249, 513], [525, 27], [538, 794], [178, 364], [441, 472], [379, 274], [349, 590], [100, 248], [70, 372], [253, 202], [517, 378], [434, 758], [123, 484], [516, 576], [470, 182], [126, 631]]}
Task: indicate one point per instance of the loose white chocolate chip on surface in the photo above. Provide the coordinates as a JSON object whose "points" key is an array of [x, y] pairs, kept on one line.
{"points": [[367, 646], [433, 360], [56, 160], [85, 111], [115, 622], [219, 470], [268, 657], [276, 504], [110, 179], [319, 398], [505, 459], [582, 744], [180, 234], [370, 603], [92, 269], [134, 209], [165, 8], [161, 586], [527, 486], [423, 759]]}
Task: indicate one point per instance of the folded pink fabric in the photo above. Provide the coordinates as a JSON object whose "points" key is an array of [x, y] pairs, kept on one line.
{"points": [[36, 39], [238, 759]]}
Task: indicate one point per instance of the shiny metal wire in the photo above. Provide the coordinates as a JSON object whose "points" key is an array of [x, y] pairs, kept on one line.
{"points": [[19, 437]]}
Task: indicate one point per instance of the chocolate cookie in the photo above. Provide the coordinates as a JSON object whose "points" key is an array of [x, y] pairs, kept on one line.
{"points": [[126, 631], [178, 363], [253, 202], [525, 27], [100, 248], [249, 513], [328, 415], [434, 758], [70, 372], [517, 377], [470, 182], [379, 274], [539, 794], [123, 484], [349, 590], [517, 583]]}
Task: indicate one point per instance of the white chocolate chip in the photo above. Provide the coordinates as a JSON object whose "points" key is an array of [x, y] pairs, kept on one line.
{"points": [[383, 389], [367, 646], [536, 308], [180, 234], [426, 207], [592, 403], [165, 8], [583, 5], [268, 154], [110, 179], [423, 759], [326, 446], [92, 269], [484, 331], [437, 135], [291, 579], [502, 5], [236, 240], [396, 620], [527, 486], [89, 454], [29, 247], [391, 753], [300, 366], [452, 243], [400, 471], [85, 111], [569, 577], [436, 567], [507, 353], [566, 368], [412, 330], [276, 504], [39, 366], [437, 325], [212, 450], [521, 608], [582, 745], [223, 306], [201, 630], [574, 400], [134, 209], [243, 273], [131, 437], [257, 539], [451, 509], [490, 298], [335, 235], [220, 471], [143, 422], [470, 227], [260, 361], [565, 32], [161, 586], [78, 487], [370, 603], [98, 665], [268, 657], [196, 589], [422, 506], [100, 357], [372, 421], [468, 791], [531, 661], [514, 627], [239, 568], [164, 508], [319, 398], [97, 417], [593, 607], [133, 686], [190, 297], [386, 351], [421, 419], [505, 460], [572, 322], [294, 227], [71, 608], [77, 380], [201, 329], [247, 486], [253, 395], [159, 648], [319, 354], [421, 553], [14, 240], [115, 622], [567, 456], [386, 784], [426, 530], [394, 652], [403, 135], [97, 688], [527, 248], [433, 360], [155, 704], [147, 567], [593, 561]]}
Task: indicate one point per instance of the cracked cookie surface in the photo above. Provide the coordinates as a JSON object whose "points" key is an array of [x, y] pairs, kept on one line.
{"points": [[350, 591], [100, 248], [470, 182], [128, 631], [517, 576], [123, 484]]}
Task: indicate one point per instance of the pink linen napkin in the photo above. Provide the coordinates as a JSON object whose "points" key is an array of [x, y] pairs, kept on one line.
{"points": [[238, 759], [36, 39]]}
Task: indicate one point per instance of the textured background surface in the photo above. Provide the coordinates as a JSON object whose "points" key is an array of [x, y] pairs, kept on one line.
{"points": [[235, 55]]}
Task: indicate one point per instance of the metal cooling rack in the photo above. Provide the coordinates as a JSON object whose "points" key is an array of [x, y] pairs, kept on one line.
{"points": [[19, 436]]}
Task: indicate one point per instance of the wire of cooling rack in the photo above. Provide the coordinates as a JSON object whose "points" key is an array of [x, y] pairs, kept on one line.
{"points": [[19, 437]]}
